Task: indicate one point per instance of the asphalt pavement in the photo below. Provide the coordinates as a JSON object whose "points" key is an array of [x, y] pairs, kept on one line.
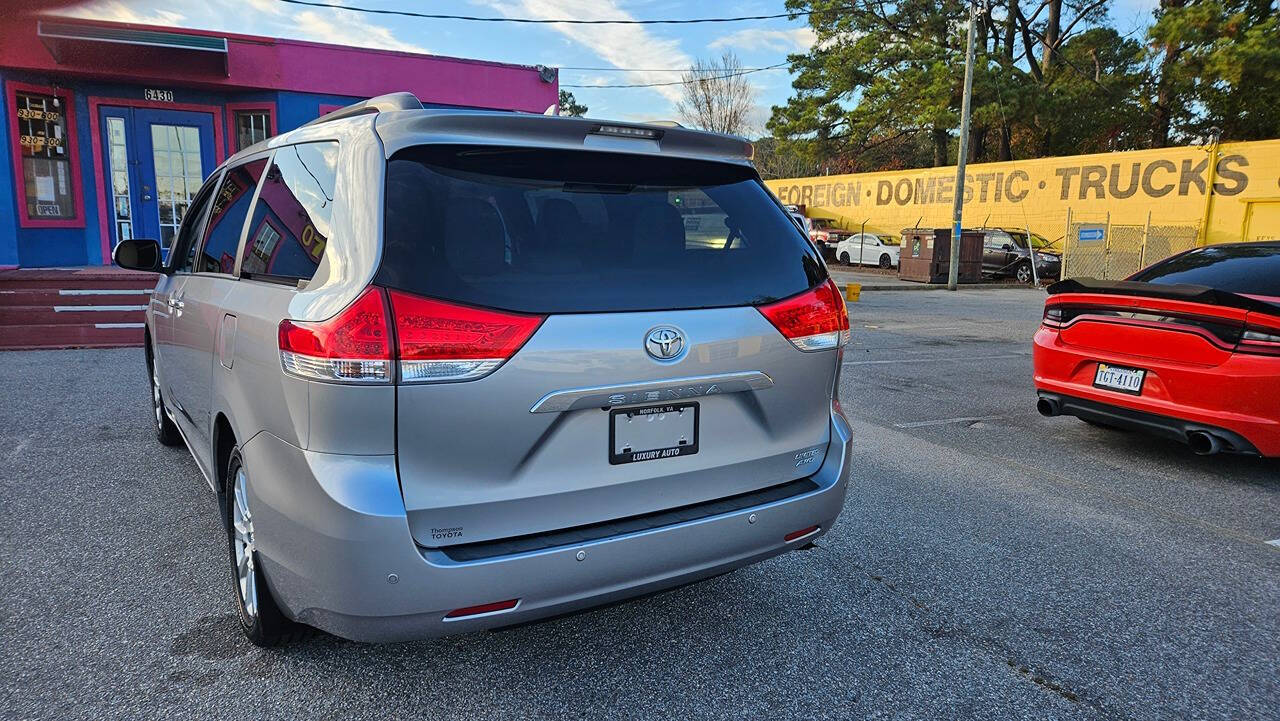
{"points": [[990, 563]]}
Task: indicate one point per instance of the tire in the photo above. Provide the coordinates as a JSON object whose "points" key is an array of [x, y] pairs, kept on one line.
{"points": [[1023, 273], [166, 431], [885, 261], [260, 618], [844, 258]]}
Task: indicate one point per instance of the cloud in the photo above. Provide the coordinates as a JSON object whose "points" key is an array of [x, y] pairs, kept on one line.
{"points": [[118, 11], [622, 46], [341, 27], [344, 27], [796, 39]]}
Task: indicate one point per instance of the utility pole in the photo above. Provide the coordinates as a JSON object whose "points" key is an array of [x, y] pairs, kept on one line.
{"points": [[953, 271]]}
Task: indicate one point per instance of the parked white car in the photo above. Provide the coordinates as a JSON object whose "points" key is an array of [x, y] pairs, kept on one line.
{"points": [[869, 249]]}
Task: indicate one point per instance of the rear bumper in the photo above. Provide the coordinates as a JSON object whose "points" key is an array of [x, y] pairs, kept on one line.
{"points": [[1238, 400], [1168, 426], [332, 533]]}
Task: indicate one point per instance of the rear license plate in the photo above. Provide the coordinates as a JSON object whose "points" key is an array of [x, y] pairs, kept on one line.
{"points": [[1119, 378], [653, 432]]}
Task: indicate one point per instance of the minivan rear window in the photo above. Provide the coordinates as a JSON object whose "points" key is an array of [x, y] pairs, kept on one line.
{"points": [[565, 231], [1244, 268]]}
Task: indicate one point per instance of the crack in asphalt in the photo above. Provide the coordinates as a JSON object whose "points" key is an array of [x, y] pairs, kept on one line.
{"points": [[937, 624]]}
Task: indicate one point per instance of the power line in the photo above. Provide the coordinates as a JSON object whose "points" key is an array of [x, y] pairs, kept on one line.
{"points": [[681, 82], [540, 21]]}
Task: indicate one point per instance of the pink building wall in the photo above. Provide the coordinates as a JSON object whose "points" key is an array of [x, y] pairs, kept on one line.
{"points": [[274, 64]]}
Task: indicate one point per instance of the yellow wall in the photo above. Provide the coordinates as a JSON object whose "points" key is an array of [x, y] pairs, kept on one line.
{"points": [[1169, 184]]}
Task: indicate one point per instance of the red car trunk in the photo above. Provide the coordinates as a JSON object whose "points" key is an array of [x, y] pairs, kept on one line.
{"points": [[1185, 361]]}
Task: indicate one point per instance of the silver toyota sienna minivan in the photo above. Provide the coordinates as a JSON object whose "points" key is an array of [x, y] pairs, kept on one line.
{"points": [[450, 370]]}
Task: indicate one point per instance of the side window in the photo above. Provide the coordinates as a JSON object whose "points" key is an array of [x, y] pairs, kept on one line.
{"points": [[226, 218], [290, 225], [182, 254]]}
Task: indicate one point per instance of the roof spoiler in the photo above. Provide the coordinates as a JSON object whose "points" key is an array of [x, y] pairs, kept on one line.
{"points": [[1173, 291], [380, 104]]}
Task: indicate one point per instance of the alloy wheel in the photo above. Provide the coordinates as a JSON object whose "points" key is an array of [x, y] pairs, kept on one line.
{"points": [[242, 525], [156, 405]]}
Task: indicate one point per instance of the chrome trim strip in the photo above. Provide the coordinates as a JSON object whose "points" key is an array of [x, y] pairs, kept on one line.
{"points": [[651, 391]]}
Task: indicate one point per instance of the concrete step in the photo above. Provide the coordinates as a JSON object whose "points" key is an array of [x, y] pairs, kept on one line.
{"points": [[12, 315], [59, 279], [74, 296], [48, 336]]}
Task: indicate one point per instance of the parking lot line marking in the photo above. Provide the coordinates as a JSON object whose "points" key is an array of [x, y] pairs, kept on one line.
{"points": [[937, 360], [945, 421], [1275, 543]]}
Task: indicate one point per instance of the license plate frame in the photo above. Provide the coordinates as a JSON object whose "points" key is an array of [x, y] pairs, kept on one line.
{"points": [[1121, 371], [624, 449]]}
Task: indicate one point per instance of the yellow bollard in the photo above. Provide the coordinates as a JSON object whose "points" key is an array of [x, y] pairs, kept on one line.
{"points": [[852, 291]]}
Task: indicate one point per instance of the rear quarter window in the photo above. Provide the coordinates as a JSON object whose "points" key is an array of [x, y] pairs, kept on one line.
{"points": [[1245, 269], [289, 229], [544, 231]]}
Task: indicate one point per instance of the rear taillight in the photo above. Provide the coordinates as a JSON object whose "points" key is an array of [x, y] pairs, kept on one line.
{"points": [[1264, 341], [1053, 317], [814, 320], [354, 346], [434, 341], [440, 341]]}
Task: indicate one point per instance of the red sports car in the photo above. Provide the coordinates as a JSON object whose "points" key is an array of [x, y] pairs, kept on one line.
{"points": [[1188, 348]]}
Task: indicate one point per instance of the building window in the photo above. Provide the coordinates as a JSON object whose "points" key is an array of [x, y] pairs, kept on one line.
{"points": [[251, 127], [175, 153], [45, 149], [118, 154]]}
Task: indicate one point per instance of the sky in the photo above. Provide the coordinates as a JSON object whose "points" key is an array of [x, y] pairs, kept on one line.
{"points": [[757, 43]]}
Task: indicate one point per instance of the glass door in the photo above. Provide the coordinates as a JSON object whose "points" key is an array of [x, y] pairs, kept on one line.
{"points": [[121, 163], [155, 162]]}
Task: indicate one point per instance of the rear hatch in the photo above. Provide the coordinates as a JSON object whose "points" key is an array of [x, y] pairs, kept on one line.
{"points": [[1166, 321], [589, 336]]}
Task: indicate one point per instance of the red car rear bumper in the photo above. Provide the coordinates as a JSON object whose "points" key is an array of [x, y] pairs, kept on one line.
{"points": [[1241, 395]]}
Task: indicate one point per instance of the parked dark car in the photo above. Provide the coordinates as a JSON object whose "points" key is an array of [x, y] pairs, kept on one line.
{"points": [[825, 235], [1005, 253]]}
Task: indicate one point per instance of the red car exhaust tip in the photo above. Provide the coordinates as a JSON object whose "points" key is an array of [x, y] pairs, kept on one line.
{"points": [[481, 610], [802, 533]]}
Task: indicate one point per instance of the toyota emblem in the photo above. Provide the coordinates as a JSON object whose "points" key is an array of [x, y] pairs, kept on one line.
{"points": [[664, 343]]}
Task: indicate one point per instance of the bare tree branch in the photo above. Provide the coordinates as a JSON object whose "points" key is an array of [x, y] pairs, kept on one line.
{"points": [[716, 96]]}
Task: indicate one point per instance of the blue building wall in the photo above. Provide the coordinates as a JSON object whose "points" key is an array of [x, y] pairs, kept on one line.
{"points": [[61, 247], [8, 194]]}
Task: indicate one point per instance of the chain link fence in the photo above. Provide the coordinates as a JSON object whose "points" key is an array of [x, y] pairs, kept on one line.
{"points": [[1108, 250], [1094, 247]]}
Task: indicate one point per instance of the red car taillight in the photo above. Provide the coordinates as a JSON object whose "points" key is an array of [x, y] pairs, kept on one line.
{"points": [[433, 340], [1052, 317], [354, 346], [814, 320], [1256, 339], [441, 341]]}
